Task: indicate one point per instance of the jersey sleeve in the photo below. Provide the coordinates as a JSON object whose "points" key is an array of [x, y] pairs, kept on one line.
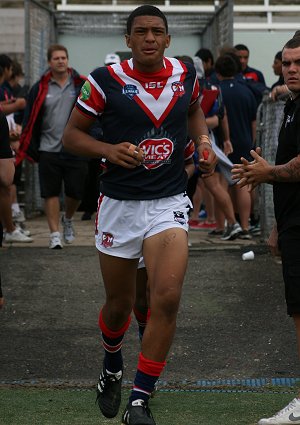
{"points": [[91, 100], [189, 150], [196, 91]]}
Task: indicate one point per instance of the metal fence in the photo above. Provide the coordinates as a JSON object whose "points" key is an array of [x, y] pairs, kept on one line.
{"points": [[39, 34], [219, 32], [269, 118]]}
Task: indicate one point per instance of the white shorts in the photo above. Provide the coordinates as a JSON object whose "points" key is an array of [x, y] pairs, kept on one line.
{"points": [[122, 226]]}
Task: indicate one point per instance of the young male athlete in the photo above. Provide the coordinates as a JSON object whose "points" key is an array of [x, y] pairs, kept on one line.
{"points": [[148, 106]]}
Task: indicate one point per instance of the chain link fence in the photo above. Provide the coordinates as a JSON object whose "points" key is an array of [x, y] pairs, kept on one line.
{"points": [[269, 118], [219, 32], [39, 34]]}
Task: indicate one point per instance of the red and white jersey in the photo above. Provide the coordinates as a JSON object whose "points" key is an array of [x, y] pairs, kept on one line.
{"points": [[149, 111]]}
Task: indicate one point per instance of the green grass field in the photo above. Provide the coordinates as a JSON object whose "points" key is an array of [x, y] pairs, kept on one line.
{"points": [[24, 406]]}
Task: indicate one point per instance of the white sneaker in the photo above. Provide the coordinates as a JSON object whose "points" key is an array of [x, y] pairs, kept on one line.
{"points": [[18, 217], [68, 229], [17, 236], [26, 232], [287, 416], [55, 241]]}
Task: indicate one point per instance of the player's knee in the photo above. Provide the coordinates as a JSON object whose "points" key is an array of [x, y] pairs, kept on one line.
{"points": [[119, 308], [167, 302]]}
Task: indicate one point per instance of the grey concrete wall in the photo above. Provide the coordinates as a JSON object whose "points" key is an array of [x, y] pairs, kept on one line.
{"points": [[12, 32]]}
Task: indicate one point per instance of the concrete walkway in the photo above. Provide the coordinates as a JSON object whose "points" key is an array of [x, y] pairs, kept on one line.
{"points": [[85, 235]]}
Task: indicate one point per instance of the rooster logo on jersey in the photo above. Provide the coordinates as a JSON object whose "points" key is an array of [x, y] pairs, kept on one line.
{"points": [[178, 89]]}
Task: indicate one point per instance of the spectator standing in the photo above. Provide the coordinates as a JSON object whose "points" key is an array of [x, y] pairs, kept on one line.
{"points": [[241, 111], [248, 72], [50, 102], [16, 91], [284, 239], [253, 77], [149, 104], [9, 105], [207, 61], [277, 68], [7, 169]]}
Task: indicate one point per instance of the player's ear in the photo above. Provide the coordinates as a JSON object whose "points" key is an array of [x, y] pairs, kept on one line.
{"points": [[127, 39], [168, 41]]}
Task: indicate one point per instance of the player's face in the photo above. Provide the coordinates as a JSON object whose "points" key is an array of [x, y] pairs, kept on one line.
{"points": [[148, 41], [58, 62], [244, 58], [291, 68]]}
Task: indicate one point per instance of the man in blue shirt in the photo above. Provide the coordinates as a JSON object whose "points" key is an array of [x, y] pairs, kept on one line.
{"points": [[241, 112]]}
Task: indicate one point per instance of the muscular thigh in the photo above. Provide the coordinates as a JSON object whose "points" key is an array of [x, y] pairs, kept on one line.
{"points": [[119, 276], [165, 256]]}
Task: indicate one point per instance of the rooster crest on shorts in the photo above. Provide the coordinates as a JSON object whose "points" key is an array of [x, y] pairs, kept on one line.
{"points": [[179, 217], [107, 239]]}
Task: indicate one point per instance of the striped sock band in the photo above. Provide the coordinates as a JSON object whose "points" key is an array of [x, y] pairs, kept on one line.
{"points": [[147, 374], [112, 343]]}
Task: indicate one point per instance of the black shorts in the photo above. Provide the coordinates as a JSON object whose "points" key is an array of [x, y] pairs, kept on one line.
{"points": [[18, 174], [289, 244], [55, 170]]}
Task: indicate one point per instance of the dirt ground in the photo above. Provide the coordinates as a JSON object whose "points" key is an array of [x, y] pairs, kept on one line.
{"points": [[232, 322]]}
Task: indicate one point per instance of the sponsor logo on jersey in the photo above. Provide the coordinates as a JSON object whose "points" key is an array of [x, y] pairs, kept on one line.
{"points": [[154, 85], [179, 217], [85, 91], [107, 239], [178, 88], [157, 152], [130, 90]]}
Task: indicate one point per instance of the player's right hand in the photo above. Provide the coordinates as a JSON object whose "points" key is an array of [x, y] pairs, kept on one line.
{"points": [[126, 155]]}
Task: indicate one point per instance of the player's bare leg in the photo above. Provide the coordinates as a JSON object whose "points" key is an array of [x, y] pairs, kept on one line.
{"points": [[166, 257], [119, 276]]}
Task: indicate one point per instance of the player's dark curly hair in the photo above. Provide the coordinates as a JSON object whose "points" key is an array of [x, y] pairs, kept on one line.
{"points": [[145, 10]]}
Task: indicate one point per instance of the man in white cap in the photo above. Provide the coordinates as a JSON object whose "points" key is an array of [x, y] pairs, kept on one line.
{"points": [[112, 58]]}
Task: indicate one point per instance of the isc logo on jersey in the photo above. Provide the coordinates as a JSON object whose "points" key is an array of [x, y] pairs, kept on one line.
{"points": [[157, 152]]}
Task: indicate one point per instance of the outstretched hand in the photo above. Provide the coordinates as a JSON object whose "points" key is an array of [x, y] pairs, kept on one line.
{"points": [[125, 154], [251, 173]]}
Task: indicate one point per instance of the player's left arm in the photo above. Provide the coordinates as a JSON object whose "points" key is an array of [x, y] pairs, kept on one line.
{"points": [[198, 131], [189, 166]]}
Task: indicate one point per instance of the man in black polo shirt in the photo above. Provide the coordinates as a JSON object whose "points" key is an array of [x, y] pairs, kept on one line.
{"points": [[285, 177]]}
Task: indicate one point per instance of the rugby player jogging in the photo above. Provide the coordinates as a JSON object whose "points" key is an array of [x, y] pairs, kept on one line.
{"points": [[148, 105]]}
